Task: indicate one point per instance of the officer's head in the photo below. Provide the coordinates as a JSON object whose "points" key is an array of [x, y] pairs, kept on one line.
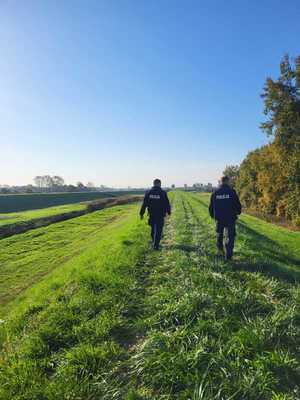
{"points": [[157, 183], [224, 180]]}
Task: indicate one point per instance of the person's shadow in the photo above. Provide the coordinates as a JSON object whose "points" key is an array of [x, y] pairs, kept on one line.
{"points": [[267, 256], [182, 247]]}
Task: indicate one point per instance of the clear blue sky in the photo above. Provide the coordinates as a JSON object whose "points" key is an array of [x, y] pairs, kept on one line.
{"points": [[117, 92]]}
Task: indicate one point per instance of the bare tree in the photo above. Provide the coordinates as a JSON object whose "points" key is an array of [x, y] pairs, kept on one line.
{"points": [[48, 181], [80, 186], [38, 181], [58, 181]]}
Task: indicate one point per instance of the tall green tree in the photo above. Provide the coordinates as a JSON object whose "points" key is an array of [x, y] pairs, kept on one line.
{"points": [[232, 171], [282, 108], [269, 177]]}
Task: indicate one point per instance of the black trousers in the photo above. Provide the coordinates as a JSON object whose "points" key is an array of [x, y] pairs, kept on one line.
{"points": [[231, 232], [157, 224]]}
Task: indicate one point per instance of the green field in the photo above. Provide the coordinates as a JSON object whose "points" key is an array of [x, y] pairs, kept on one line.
{"points": [[89, 311], [23, 221], [24, 216], [10, 203]]}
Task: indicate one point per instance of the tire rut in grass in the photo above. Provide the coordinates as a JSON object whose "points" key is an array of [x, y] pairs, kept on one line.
{"points": [[137, 312], [169, 281]]}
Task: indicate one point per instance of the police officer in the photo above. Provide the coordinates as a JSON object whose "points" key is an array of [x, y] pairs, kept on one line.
{"points": [[158, 205], [224, 207]]}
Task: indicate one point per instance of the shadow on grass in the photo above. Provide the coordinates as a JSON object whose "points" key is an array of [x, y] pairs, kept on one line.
{"points": [[182, 247], [270, 258], [128, 242], [211, 256]]}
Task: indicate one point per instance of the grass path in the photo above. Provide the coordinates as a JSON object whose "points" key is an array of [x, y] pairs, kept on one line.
{"points": [[214, 331], [127, 323]]}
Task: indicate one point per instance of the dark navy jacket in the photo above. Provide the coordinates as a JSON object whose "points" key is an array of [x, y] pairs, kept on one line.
{"points": [[157, 202], [224, 204]]}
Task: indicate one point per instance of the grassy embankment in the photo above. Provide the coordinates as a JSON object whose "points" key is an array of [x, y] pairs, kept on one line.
{"points": [[25, 259], [10, 203], [121, 322], [29, 215], [23, 221]]}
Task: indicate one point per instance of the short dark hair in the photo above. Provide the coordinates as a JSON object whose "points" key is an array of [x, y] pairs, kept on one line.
{"points": [[224, 179], [156, 182]]}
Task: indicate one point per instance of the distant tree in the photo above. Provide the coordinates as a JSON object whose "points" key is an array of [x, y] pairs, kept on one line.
{"points": [[58, 181], [48, 181], [71, 188], [209, 187], [38, 180], [232, 171], [198, 186], [80, 186]]}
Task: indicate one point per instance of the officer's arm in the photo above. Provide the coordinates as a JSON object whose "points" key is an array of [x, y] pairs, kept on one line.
{"points": [[168, 206], [144, 205], [237, 203], [211, 206]]}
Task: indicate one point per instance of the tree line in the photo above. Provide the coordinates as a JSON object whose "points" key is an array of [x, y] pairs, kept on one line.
{"points": [[55, 183], [268, 179], [48, 183]]}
